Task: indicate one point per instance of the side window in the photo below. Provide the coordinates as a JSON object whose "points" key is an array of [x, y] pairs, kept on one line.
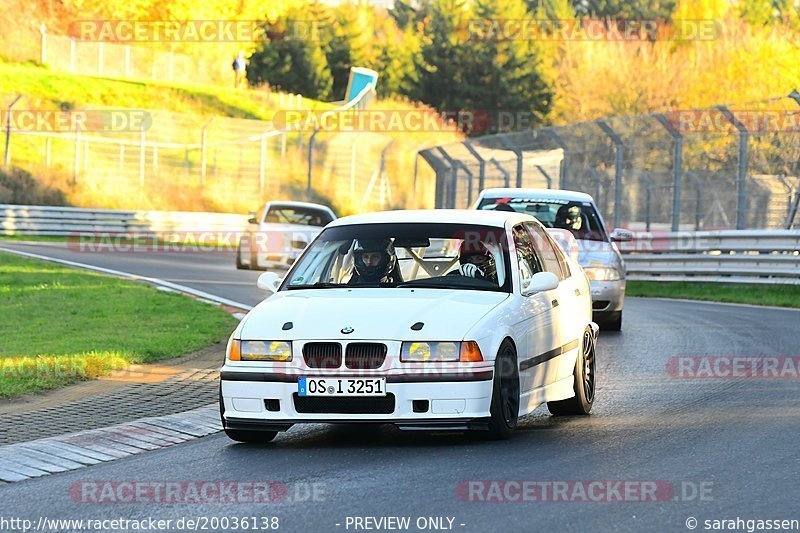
{"points": [[547, 251], [527, 261]]}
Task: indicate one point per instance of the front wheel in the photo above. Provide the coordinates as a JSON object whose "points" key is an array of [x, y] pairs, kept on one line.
{"points": [[239, 264], [504, 410], [583, 381]]}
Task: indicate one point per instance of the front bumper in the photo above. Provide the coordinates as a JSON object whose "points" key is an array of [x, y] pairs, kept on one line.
{"points": [[264, 401], [607, 296]]}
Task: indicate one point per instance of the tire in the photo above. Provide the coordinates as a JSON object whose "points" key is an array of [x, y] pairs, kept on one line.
{"points": [[504, 410], [253, 437], [239, 264], [613, 322], [583, 381]]}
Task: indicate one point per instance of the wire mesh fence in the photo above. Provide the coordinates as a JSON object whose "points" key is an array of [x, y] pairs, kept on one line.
{"points": [[138, 62], [721, 167], [164, 160]]}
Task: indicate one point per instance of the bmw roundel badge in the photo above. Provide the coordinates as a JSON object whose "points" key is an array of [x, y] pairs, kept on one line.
{"points": [[348, 330]]}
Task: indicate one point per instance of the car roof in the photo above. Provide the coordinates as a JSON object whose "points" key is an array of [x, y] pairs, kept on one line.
{"points": [[545, 194], [497, 219], [289, 203]]}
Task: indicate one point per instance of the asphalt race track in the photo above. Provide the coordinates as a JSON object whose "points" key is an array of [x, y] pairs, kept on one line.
{"points": [[727, 448]]}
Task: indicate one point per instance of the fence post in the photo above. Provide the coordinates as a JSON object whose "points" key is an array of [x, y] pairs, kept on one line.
{"points": [[547, 177], [598, 185], [142, 155], [450, 198], [311, 141], [514, 148], [43, 54], [793, 212], [741, 174], [564, 167], [698, 194], [648, 199], [8, 132], [677, 170], [204, 152], [481, 164], [283, 145], [617, 169], [502, 170], [47, 151]]}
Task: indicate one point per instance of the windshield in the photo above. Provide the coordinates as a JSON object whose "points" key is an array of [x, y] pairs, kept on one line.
{"points": [[439, 256], [580, 218], [304, 216]]}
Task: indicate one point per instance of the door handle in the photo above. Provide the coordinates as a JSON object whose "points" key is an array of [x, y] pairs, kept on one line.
{"points": [[555, 303]]}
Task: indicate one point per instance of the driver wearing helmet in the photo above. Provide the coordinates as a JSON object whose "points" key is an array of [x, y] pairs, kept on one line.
{"points": [[569, 217], [375, 262], [476, 261]]}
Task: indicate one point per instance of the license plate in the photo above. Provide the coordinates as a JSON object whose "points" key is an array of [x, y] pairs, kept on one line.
{"points": [[341, 387]]}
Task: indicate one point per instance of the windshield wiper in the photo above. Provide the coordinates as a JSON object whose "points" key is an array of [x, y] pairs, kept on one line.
{"points": [[317, 285]]}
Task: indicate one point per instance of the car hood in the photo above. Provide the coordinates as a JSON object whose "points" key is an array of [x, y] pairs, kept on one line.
{"points": [[598, 253], [386, 314]]}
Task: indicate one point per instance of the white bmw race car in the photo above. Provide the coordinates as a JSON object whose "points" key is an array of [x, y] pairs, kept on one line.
{"points": [[441, 319]]}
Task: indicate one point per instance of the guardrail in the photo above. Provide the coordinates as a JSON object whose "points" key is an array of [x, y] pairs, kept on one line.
{"points": [[47, 220], [754, 256]]}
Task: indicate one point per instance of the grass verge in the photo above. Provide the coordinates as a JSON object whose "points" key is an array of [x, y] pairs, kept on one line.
{"points": [[774, 295], [62, 325]]}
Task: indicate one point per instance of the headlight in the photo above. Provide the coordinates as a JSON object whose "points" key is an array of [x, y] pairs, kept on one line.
{"points": [[438, 352], [260, 351], [602, 274]]}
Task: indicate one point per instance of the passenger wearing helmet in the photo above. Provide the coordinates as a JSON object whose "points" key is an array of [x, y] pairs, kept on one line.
{"points": [[569, 217], [476, 261], [375, 262]]}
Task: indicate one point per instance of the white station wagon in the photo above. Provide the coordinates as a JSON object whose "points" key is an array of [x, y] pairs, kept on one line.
{"points": [[441, 319]]}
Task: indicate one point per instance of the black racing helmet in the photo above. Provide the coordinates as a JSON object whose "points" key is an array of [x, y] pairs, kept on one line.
{"points": [[383, 268], [477, 253], [569, 217]]}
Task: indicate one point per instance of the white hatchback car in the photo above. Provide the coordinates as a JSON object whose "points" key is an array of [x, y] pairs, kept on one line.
{"points": [[279, 232], [441, 319]]}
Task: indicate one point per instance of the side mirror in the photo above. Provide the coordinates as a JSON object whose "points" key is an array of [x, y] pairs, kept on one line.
{"points": [[540, 282], [621, 235], [269, 281], [252, 220]]}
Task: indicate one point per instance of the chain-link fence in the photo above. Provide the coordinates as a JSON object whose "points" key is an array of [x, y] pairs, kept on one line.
{"points": [[162, 160], [721, 167], [137, 62]]}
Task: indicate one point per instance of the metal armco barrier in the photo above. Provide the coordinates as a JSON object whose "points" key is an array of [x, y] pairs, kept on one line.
{"points": [[754, 256], [47, 220]]}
